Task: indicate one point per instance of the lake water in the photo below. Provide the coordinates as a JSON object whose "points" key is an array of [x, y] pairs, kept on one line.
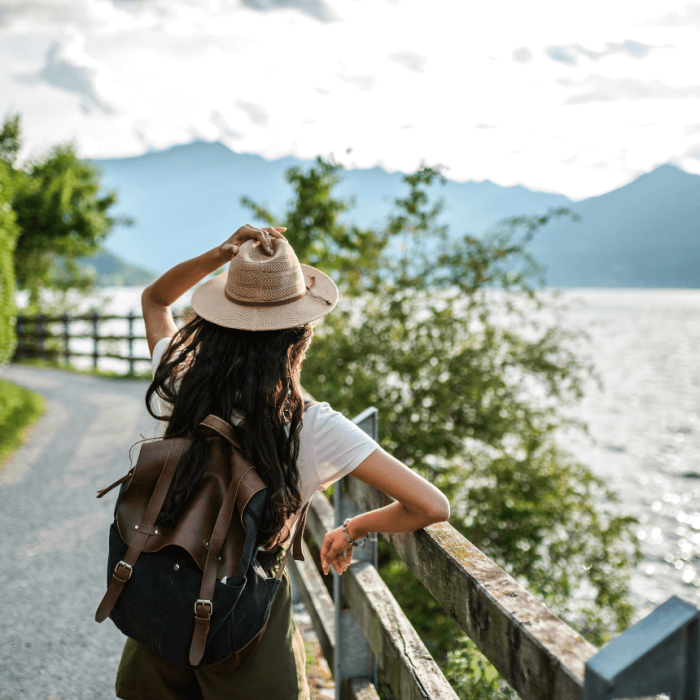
{"points": [[645, 425], [644, 422]]}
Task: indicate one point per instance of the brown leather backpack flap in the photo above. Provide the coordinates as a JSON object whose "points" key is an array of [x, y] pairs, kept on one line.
{"points": [[196, 525]]}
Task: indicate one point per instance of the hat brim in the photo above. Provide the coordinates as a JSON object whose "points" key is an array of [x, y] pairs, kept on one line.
{"points": [[211, 303]]}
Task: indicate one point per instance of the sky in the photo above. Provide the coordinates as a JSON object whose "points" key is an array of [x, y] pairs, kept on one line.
{"points": [[571, 97]]}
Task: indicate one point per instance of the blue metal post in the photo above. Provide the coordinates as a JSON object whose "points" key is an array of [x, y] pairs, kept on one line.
{"points": [[660, 654]]}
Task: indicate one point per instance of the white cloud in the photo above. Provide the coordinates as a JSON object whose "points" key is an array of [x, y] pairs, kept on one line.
{"points": [[522, 55], [688, 15], [480, 95], [363, 82], [571, 53], [225, 130], [410, 59], [255, 112], [317, 9], [67, 67]]}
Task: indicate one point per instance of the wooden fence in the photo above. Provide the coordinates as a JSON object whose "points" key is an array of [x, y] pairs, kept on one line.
{"points": [[539, 656], [362, 628], [49, 337]]}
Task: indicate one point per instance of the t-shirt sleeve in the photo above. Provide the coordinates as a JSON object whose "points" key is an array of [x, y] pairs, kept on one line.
{"points": [[158, 351], [337, 444]]}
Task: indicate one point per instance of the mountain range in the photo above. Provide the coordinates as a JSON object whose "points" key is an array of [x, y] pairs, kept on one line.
{"points": [[186, 199], [112, 271]]}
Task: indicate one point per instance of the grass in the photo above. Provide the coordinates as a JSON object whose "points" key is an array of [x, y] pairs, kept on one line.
{"points": [[57, 364], [19, 409]]}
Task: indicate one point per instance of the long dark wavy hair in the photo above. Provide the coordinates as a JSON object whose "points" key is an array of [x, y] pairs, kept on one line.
{"points": [[211, 369]]}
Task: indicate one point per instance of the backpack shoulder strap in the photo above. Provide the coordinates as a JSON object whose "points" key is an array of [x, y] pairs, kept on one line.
{"points": [[295, 547], [225, 429], [220, 426], [203, 607]]}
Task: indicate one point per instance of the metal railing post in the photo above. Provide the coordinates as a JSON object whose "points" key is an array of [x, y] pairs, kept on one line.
{"points": [[352, 657], [660, 654]]}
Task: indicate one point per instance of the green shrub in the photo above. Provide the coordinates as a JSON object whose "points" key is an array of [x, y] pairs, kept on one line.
{"points": [[8, 240], [19, 408]]}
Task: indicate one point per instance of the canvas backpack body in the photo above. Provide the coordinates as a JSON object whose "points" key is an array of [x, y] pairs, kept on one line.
{"points": [[165, 585]]}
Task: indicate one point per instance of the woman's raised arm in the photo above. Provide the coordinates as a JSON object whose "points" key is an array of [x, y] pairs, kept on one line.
{"points": [[418, 504], [158, 297]]}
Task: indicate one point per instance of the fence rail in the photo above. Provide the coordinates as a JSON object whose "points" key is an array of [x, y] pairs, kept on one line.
{"points": [[534, 651]]}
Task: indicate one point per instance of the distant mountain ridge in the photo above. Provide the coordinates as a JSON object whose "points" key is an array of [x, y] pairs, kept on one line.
{"points": [[111, 271], [186, 199], [645, 234]]}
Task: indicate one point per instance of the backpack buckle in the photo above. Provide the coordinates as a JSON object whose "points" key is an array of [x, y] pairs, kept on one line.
{"points": [[128, 567], [205, 603]]}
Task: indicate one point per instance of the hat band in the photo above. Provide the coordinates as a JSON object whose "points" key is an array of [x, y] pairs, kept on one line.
{"points": [[282, 302]]}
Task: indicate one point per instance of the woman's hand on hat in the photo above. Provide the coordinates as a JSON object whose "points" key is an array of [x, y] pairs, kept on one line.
{"points": [[336, 551], [263, 235]]}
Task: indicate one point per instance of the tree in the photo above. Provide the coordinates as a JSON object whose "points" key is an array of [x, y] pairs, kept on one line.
{"points": [[8, 238], [464, 354], [61, 213], [320, 239]]}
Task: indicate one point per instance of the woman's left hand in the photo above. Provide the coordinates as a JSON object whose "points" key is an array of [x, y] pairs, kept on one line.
{"points": [[336, 551], [244, 233]]}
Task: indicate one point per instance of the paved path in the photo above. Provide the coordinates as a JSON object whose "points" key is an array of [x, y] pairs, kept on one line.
{"points": [[53, 536]]}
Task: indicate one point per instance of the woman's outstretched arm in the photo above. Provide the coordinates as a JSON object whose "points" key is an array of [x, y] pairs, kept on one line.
{"points": [[418, 504], [158, 297]]}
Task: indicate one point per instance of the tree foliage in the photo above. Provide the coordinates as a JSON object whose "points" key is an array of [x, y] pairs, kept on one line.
{"points": [[454, 340], [320, 238], [8, 238], [61, 212]]}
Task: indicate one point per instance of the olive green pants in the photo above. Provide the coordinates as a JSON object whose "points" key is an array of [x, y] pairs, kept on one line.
{"points": [[275, 671]]}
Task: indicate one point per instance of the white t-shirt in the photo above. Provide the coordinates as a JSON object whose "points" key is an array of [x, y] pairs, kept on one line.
{"points": [[330, 446]]}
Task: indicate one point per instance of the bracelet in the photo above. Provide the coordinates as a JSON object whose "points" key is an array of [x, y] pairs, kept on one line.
{"points": [[354, 543]]}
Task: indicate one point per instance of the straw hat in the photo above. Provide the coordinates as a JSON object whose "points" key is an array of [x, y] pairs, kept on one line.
{"points": [[264, 292]]}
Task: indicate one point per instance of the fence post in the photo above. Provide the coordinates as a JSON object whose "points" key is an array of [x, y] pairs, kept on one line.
{"points": [[131, 341], [40, 330], [352, 656], [66, 337], [95, 337], [659, 654], [19, 330]]}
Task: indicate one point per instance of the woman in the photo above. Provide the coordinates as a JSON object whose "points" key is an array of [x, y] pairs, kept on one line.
{"points": [[240, 357]]}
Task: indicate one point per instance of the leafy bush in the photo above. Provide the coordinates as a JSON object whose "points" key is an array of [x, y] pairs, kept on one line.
{"points": [[19, 407], [8, 238]]}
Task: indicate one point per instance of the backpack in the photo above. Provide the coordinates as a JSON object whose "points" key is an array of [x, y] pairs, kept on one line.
{"points": [[164, 584]]}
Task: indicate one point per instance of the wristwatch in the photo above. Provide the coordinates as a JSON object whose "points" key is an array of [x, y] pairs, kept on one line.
{"points": [[354, 543]]}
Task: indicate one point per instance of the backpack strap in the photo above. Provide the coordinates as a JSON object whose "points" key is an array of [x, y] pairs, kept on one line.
{"points": [[295, 547], [222, 427], [123, 569], [238, 658], [203, 607], [118, 482]]}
